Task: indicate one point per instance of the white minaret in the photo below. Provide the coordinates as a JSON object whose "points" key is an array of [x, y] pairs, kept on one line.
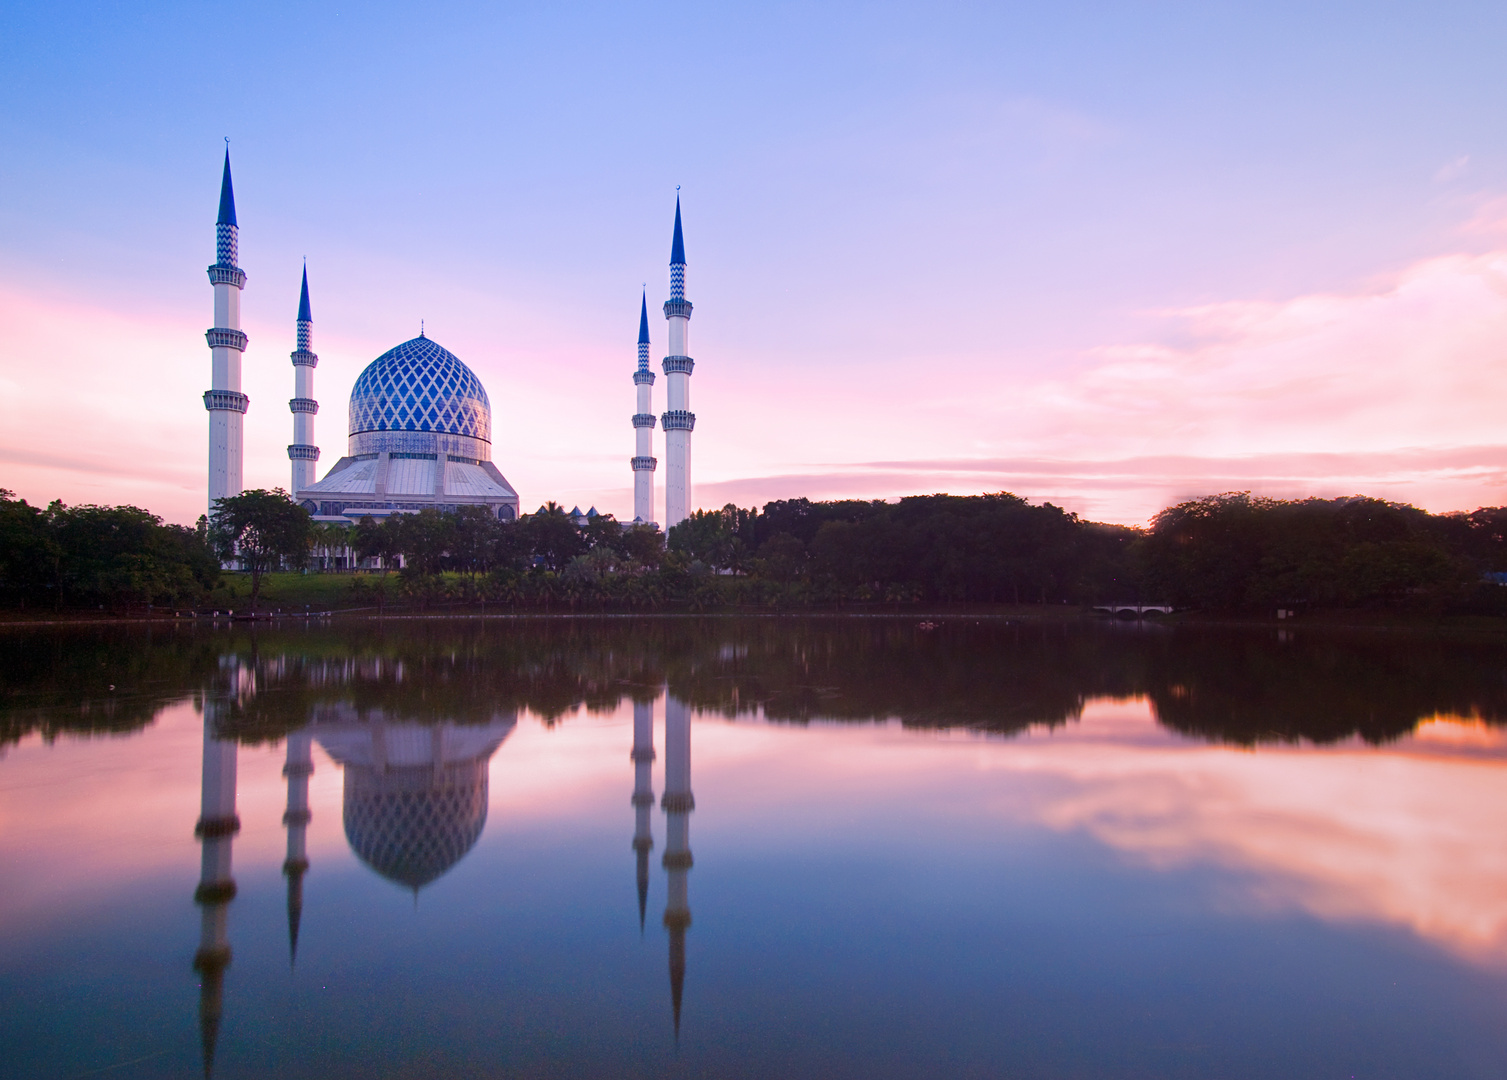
{"points": [[678, 804], [643, 425], [679, 421], [643, 797], [224, 400], [298, 769], [217, 827], [303, 453]]}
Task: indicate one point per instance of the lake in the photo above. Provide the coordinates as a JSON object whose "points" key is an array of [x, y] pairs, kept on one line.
{"points": [[761, 847]]}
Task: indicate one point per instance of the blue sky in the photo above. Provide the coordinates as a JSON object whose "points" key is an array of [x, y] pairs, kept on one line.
{"points": [[913, 233]]}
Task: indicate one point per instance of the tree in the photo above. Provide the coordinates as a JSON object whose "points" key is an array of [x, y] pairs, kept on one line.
{"points": [[331, 537], [709, 536], [473, 541], [551, 534], [424, 538], [28, 557], [643, 544], [262, 529]]}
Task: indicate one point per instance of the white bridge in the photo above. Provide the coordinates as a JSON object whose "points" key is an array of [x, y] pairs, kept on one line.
{"points": [[1121, 611]]}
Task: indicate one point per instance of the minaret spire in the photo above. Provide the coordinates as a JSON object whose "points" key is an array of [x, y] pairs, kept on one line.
{"points": [[678, 420], [643, 462], [677, 247], [302, 452], [227, 195], [224, 401]]}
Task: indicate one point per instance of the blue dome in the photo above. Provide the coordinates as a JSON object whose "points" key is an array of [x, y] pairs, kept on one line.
{"points": [[420, 386]]}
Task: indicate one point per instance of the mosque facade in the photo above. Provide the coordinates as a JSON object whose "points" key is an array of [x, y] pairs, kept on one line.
{"points": [[419, 430]]}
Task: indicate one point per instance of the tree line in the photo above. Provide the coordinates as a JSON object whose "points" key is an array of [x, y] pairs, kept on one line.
{"points": [[1232, 552]]}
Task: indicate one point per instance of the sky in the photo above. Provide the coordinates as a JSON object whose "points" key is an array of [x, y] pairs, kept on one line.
{"points": [[1106, 255]]}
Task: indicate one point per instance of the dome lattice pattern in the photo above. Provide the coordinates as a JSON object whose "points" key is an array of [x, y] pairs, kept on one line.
{"points": [[420, 386], [411, 825]]}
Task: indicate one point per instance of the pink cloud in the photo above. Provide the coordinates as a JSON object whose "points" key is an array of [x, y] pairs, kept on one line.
{"points": [[1392, 389]]}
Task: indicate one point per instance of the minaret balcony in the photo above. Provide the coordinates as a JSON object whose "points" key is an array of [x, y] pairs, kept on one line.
{"points": [[677, 309], [226, 401], [643, 419], [299, 452], [219, 337], [678, 365], [644, 464], [304, 358], [679, 420], [680, 802], [643, 377], [227, 275], [303, 405]]}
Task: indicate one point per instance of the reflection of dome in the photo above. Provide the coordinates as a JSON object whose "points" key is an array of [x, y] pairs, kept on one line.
{"points": [[417, 387], [411, 825], [415, 794]]}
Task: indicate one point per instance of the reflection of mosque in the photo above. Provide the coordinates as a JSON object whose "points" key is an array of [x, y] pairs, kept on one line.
{"points": [[414, 803]]}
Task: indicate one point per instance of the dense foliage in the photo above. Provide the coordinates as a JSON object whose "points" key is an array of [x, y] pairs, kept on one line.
{"points": [[69, 556], [1236, 552], [1232, 552], [985, 548]]}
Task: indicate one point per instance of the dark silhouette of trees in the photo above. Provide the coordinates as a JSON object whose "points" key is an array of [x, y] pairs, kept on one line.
{"points": [[99, 555], [1236, 552], [1225, 553]]}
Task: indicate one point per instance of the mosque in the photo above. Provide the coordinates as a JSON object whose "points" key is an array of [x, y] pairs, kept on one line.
{"points": [[420, 422]]}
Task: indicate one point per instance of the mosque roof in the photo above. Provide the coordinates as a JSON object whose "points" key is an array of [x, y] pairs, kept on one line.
{"points": [[420, 386]]}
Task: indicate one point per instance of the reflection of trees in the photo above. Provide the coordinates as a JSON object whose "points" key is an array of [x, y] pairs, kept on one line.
{"points": [[57, 682], [1233, 686], [1249, 688]]}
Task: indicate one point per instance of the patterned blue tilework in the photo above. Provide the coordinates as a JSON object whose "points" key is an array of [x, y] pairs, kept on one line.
{"points": [[420, 386], [226, 245]]}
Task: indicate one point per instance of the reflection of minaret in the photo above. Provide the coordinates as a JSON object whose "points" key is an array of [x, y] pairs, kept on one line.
{"points": [[678, 804], [299, 767], [643, 797], [217, 826]]}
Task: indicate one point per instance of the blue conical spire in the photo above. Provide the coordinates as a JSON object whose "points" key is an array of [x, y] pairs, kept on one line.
{"points": [[303, 299], [643, 321], [677, 246], [227, 198]]}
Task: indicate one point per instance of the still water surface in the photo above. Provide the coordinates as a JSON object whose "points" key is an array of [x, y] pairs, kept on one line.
{"points": [[757, 848]]}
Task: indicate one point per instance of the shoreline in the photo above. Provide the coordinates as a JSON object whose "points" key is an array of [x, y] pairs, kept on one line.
{"points": [[1048, 614]]}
